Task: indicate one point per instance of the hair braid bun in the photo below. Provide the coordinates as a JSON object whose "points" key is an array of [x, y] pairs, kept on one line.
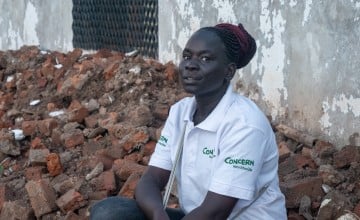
{"points": [[240, 44]]}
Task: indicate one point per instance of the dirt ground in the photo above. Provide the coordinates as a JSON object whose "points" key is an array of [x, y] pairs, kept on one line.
{"points": [[76, 128]]}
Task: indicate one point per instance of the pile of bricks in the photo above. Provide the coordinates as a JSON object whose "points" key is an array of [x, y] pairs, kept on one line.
{"points": [[76, 128]]}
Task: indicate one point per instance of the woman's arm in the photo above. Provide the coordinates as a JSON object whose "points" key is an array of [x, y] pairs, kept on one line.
{"points": [[214, 206], [148, 192]]}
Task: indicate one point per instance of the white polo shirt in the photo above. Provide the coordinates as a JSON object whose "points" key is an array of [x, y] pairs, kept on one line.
{"points": [[232, 152]]}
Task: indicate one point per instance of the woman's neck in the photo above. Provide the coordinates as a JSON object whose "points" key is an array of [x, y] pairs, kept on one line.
{"points": [[206, 104]]}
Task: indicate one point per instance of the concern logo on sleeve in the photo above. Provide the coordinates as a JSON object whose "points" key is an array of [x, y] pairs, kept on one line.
{"points": [[163, 141], [240, 163]]}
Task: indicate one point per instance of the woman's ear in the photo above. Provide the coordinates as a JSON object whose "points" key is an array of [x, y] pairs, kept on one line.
{"points": [[231, 69]]}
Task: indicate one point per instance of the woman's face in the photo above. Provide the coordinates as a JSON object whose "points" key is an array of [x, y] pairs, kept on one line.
{"points": [[204, 65]]}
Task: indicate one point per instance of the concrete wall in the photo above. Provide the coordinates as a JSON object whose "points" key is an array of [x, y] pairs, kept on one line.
{"points": [[306, 72], [36, 22]]}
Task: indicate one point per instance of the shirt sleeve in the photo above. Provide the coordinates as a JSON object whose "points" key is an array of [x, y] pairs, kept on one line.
{"points": [[239, 162]]}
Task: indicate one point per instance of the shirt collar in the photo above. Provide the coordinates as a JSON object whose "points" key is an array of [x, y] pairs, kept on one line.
{"points": [[212, 122]]}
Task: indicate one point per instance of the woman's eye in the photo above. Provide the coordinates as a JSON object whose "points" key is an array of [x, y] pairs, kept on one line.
{"points": [[205, 58], [186, 57]]}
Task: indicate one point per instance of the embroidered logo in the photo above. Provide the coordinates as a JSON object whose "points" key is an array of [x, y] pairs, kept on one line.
{"points": [[163, 141], [240, 163], [209, 152]]}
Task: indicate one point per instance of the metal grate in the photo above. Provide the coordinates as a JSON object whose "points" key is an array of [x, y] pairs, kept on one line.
{"points": [[122, 25]]}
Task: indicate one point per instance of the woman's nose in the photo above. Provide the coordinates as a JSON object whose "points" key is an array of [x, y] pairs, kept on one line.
{"points": [[191, 65]]}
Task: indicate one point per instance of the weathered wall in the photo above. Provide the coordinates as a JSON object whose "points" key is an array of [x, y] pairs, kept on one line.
{"points": [[36, 22], [306, 70]]}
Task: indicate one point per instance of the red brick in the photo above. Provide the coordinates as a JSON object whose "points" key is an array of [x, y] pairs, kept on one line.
{"points": [[38, 156], [324, 149], [70, 201], [140, 116], [51, 107], [120, 130], [46, 126], [42, 197], [56, 137], [128, 189], [29, 127], [145, 160], [73, 138], [149, 148], [77, 112], [34, 173], [124, 168], [161, 112], [105, 181], [347, 155], [284, 151], [37, 143], [108, 120], [109, 71], [105, 159], [91, 121], [54, 164], [330, 176], [98, 195], [16, 210], [287, 166], [137, 138], [115, 150], [296, 189], [170, 71], [135, 156], [62, 183], [303, 161]]}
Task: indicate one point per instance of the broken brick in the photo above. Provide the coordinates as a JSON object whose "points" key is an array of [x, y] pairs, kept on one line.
{"points": [[70, 201], [139, 137], [33, 173], [148, 148], [42, 197], [124, 168], [346, 156], [37, 143], [296, 189], [46, 126], [105, 181], [38, 156], [73, 138], [128, 189], [29, 127], [54, 164], [16, 210]]}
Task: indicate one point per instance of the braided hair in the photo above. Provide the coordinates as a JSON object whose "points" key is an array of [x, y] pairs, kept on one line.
{"points": [[240, 46]]}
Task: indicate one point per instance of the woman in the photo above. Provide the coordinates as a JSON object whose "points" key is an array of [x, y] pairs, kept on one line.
{"points": [[228, 165]]}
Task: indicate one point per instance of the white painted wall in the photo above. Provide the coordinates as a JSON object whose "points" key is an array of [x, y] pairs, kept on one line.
{"points": [[36, 22], [306, 69]]}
